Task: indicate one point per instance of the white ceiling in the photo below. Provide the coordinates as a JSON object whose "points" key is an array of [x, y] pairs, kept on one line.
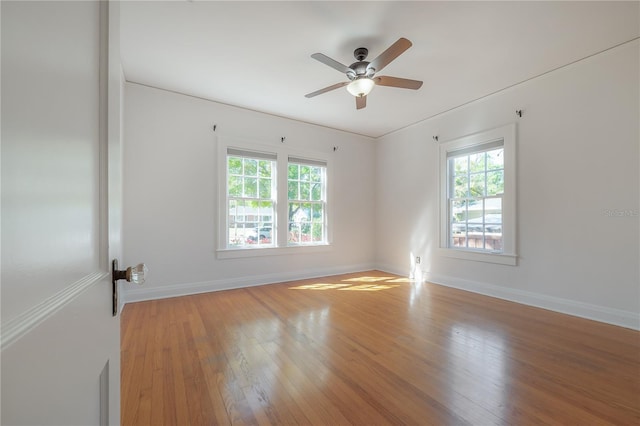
{"points": [[256, 55]]}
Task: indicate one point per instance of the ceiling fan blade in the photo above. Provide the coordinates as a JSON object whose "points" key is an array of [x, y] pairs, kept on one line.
{"points": [[403, 83], [361, 102], [326, 89], [395, 50], [331, 62]]}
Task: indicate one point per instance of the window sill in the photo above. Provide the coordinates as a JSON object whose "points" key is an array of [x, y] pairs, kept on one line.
{"points": [[499, 258], [271, 251]]}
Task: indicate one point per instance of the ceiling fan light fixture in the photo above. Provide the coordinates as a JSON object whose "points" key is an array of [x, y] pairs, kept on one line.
{"points": [[361, 87]]}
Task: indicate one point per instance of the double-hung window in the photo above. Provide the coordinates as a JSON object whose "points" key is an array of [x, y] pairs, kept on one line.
{"points": [[251, 201], [271, 198], [478, 196], [306, 190]]}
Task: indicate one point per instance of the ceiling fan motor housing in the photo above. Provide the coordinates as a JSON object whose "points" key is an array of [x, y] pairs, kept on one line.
{"points": [[361, 68]]}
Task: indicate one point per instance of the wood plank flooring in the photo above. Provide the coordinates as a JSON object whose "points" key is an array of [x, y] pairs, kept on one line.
{"points": [[371, 349]]}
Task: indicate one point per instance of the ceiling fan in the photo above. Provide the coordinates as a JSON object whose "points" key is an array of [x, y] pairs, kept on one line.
{"points": [[362, 73]]}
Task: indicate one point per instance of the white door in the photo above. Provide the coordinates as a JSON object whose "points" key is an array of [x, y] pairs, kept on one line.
{"points": [[61, 191]]}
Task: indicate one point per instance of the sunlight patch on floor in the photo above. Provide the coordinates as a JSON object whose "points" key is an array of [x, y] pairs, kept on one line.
{"points": [[368, 279], [364, 283], [369, 287], [349, 287], [319, 286]]}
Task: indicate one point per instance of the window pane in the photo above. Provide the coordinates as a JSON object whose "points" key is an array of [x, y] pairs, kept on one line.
{"points": [[493, 225], [493, 211], [476, 185], [475, 216], [461, 188], [293, 171], [459, 211], [265, 188], [495, 182], [250, 167], [235, 236], [305, 173], [316, 192], [316, 174], [317, 213], [458, 224], [293, 190], [476, 162], [264, 168], [461, 165], [305, 233], [250, 187], [232, 211], [294, 234], [305, 191], [240, 211], [235, 165], [265, 210], [493, 241], [316, 231], [234, 188], [306, 209], [294, 208], [495, 159]]}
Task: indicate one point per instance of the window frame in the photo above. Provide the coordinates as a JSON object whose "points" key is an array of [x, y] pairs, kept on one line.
{"points": [[508, 256], [322, 201], [279, 244]]}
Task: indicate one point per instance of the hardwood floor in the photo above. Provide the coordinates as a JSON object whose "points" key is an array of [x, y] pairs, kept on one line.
{"points": [[371, 349]]}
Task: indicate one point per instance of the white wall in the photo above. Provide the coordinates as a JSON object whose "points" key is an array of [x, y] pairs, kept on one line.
{"points": [[170, 189], [577, 160]]}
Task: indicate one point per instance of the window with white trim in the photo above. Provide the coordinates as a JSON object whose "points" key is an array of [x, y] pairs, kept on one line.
{"points": [[272, 199], [251, 201], [306, 193], [478, 196]]}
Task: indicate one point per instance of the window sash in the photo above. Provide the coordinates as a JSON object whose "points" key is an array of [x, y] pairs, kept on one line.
{"points": [[315, 230], [454, 240], [245, 238]]}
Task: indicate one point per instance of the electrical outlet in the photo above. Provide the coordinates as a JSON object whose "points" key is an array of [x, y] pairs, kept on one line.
{"points": [[417, 260]]}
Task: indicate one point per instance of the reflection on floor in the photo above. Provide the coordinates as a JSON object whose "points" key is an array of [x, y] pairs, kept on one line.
{"points": [[371, 348]]}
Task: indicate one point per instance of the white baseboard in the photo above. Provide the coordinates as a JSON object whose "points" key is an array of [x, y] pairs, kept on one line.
{"points": [[571, 307], [184, 289], [566, 306]]}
